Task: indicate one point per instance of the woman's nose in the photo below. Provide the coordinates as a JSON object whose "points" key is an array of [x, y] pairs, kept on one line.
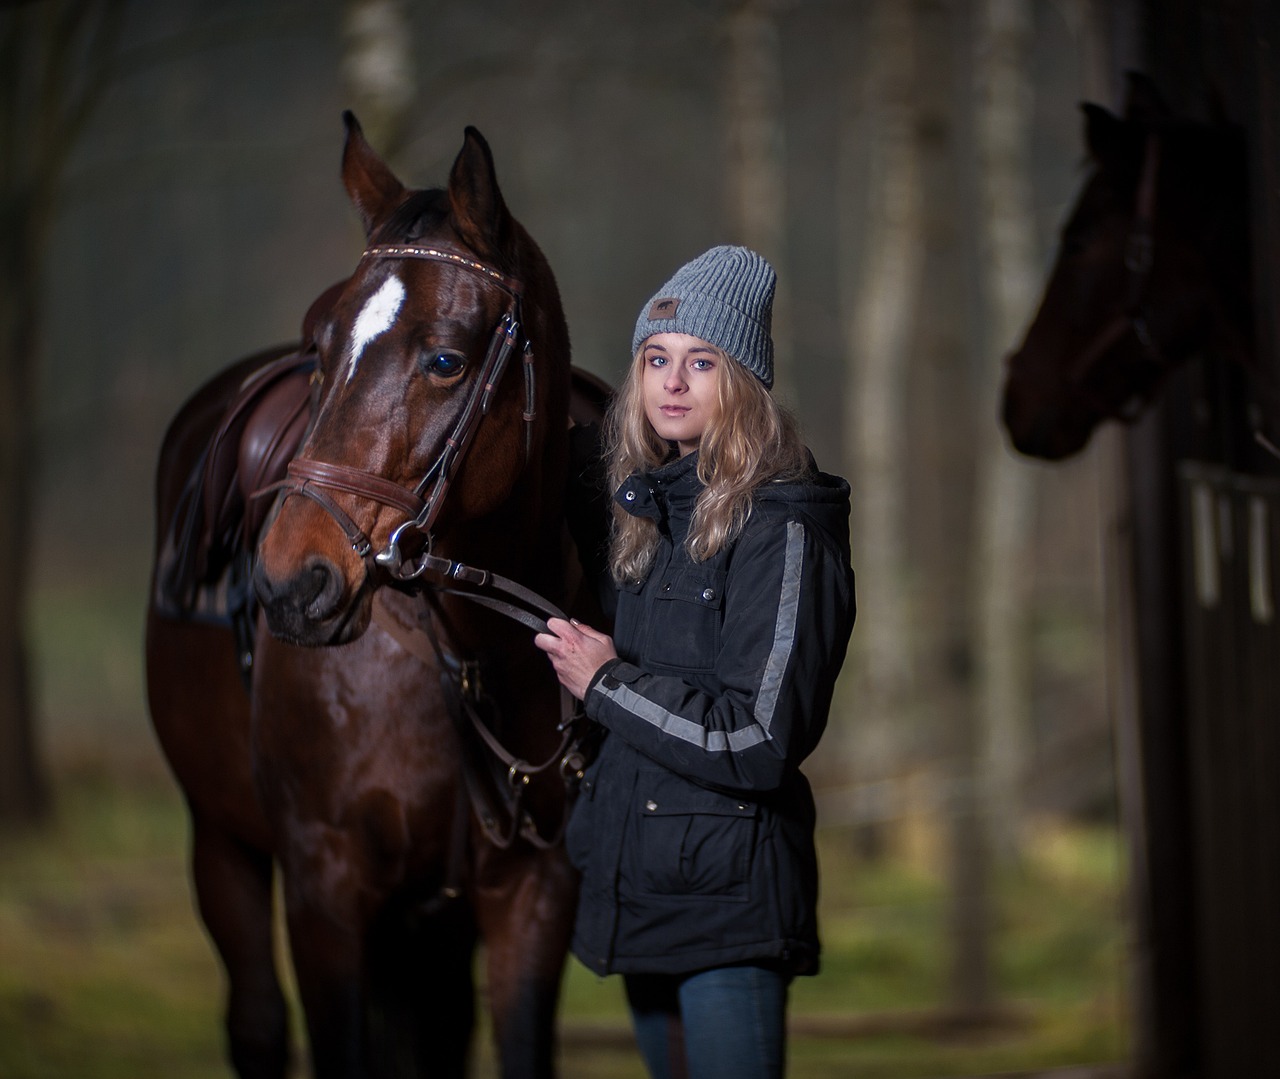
{"points": [[674, 382]]}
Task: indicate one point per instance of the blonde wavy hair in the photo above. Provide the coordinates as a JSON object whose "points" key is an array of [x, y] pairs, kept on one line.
{"points": [[752, 441]]}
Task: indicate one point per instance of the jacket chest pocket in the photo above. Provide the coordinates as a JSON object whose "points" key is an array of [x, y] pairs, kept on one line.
{"points": [[684, 619], [693, 842]]}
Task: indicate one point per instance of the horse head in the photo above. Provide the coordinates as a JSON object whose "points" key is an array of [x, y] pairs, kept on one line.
{"points": [[1153, 265], [438, 407]]}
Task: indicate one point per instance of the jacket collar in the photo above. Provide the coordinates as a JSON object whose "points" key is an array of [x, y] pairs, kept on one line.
{"points": [[672, 486]]}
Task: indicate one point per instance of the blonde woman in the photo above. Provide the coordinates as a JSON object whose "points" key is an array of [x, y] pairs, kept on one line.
{"points": [[694, 827]]}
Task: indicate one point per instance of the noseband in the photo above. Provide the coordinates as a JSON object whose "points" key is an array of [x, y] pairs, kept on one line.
{"points": [[315, 479], [1137, 263]]}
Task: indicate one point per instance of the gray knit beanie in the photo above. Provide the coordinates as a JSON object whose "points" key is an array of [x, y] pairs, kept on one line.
{"points": [[724, 296]]}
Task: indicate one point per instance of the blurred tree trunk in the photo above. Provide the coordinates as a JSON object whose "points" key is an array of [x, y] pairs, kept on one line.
{"points": [[1003, 92], [944, 419], [757, 191], [377, 67], [55, 60], [879, 288]]}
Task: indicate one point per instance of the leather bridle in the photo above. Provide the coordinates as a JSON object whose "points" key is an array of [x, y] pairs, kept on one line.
{"points": [[315, 480], [1139, 248]]}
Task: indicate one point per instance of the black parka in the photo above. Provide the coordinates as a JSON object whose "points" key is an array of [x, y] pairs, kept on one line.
{"points": [[694, 825]]}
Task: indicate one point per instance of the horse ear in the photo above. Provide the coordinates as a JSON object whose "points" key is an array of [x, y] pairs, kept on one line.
{"points": [[371, 186], [476, 205], [1144, 103], [1103, 134]]}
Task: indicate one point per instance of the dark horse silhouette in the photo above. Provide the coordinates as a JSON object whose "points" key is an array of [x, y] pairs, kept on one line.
{"points": [[403, 755], [1153, 265]]}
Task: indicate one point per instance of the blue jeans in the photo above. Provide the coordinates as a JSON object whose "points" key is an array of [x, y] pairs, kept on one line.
{"points": [[727, 1023]]}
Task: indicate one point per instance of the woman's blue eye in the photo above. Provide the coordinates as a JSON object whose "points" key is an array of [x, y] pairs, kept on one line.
{"points": [[444, 364]]}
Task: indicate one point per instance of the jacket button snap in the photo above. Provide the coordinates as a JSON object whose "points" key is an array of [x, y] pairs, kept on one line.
{"points": [[708, 594], [651, 806], [667, 587], [630, 496]]}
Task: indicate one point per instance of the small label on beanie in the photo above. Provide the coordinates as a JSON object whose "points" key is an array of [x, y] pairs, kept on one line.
{"points": [[665, 307]]}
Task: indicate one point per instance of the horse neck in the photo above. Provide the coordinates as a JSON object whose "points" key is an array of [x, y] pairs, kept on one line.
{"points": [[523, 538]]}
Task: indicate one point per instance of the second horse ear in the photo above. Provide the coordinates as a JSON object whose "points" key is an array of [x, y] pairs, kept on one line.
{"points": [[371, 185], [477, 210], [1104, 134]]}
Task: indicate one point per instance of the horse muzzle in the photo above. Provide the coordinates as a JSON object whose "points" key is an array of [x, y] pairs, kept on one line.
{"points": [[313, 605]]}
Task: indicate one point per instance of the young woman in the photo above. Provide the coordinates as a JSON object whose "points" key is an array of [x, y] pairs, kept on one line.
{"points": [[694, 826]]}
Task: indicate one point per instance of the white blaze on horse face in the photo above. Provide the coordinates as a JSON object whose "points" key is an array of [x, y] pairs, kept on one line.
{"points": [[377, 316]]}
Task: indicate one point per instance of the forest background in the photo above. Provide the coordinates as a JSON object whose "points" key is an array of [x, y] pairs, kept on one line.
{"points": [[905, 165]]}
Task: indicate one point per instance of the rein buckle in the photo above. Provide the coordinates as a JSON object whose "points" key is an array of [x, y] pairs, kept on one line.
{"points": [[459, 571]]}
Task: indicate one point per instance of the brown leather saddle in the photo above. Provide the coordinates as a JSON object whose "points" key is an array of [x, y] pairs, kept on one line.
{"points": [[204, 562]]}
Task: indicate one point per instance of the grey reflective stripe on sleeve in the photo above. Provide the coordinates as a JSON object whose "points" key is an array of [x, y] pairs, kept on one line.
{"points": [[784, 629], [784, 636]]}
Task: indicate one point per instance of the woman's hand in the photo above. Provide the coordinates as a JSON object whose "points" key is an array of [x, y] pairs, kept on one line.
{"points": [[576, 652]]}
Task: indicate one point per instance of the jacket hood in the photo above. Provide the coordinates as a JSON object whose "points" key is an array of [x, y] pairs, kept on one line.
{"points": [[821, 497]]}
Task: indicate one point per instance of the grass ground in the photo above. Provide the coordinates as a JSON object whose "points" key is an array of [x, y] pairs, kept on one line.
{"points": [[106, 974]]}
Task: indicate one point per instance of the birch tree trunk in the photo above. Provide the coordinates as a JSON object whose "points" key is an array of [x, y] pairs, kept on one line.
{"points": [[879, 288], [755, 152], [1005, 499], [377, 67]]}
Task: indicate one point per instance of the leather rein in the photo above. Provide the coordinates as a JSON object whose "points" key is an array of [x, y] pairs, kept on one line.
{"points": [[1137, 262]]}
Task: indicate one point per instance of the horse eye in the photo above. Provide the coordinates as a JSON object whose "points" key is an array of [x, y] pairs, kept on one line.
{"points": [[444, 364]]}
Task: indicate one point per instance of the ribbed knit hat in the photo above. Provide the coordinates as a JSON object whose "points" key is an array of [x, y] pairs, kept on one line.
{"points": [[724, 296]]}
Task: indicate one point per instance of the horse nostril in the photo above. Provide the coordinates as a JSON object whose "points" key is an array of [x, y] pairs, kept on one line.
{"points": [[296, 605], [320, 598]]}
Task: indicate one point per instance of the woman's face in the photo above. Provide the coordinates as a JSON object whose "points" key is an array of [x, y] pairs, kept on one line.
{"points": [[681, 377]]}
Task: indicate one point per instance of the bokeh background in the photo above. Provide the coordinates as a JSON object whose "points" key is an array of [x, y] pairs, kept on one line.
{"points": [[904, 163]]}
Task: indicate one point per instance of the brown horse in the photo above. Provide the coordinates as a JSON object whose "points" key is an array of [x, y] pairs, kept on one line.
{"points": [[1153, 265], [411, 776]]}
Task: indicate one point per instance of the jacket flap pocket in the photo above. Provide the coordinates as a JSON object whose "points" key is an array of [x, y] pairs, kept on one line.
{"points": [[662, 795], [698, 585]]}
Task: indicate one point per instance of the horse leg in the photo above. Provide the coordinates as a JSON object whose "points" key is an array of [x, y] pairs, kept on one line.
{"points": [[327, 957], [422, 992], [526, 925], [233, 888]]}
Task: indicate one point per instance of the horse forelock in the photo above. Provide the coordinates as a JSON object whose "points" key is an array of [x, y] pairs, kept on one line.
{"points": [[421, 214]]}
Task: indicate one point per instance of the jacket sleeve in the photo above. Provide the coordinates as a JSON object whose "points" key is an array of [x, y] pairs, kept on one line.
{"points": [[788, 613]]}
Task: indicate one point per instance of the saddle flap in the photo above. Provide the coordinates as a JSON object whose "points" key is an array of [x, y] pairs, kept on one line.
{"points": [[270, 439], [264, 401]]}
